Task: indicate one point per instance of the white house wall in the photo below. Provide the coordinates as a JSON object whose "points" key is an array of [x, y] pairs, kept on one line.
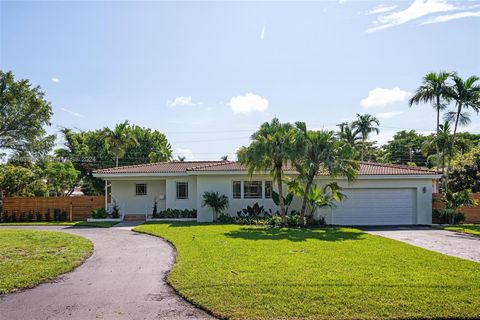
{"points": [[123, 192], [171, 199]]}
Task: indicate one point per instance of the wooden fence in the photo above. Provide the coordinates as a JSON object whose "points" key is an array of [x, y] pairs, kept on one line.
{"points": [[78, 208], [472, 215]]}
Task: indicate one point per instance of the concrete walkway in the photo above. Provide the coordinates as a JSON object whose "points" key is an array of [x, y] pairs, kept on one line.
{"points": [[447, 242], [123, 279]]}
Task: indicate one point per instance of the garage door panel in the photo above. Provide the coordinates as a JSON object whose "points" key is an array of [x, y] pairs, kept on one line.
{"points": [[376, 207]]}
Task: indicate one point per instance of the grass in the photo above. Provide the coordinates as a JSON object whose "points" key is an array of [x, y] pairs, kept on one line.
{"points": [[100, 224], [243, 272], [28, 257], [465, 228]]}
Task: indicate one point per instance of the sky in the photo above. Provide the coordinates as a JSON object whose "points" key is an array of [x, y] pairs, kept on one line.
{"points": [[207, 74]]}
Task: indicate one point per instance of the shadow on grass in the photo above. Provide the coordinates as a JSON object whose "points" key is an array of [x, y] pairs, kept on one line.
{"points": [[291, 234]]}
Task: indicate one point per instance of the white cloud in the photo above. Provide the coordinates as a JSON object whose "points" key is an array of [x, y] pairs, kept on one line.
{"points": [[381, 9], [380, 97], [262, 34], [181, 101], [56, 80], [388, 115], [418, 9], [181, 152], [73, 113], [454, 16], [248, 103]]}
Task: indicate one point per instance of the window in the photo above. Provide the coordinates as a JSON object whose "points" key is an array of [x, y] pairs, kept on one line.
{"points": [[237, 189], [182, 190], [252, 189], [140, 189], [268, 189]]}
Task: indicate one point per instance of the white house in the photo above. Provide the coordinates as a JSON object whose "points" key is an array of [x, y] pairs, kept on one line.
{"points": [[383, 194]]}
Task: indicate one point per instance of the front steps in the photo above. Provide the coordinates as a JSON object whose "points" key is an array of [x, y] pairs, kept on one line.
{"points": [[134, 217]]}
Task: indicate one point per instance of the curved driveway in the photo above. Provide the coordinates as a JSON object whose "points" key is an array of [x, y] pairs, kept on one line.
{"points": [[123, 279]]}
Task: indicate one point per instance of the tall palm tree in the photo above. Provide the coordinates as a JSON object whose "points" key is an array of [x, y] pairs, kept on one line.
{"points": [[442, 143], [366, 124], [119, 140], [434, 90], [321, 150], [349, 134], [466, 94], [272, 147]]}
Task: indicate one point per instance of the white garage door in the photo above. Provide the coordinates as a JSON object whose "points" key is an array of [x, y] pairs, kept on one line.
{"points": [[376, 207]]}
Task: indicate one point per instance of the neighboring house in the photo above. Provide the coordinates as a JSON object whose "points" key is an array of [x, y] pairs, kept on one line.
{"points": [[383, 194]]}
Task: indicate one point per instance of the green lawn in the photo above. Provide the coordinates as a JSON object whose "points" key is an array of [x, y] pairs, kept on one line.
{"points": [[465, 228], [244, 272], [28, 257], [101, 224]]}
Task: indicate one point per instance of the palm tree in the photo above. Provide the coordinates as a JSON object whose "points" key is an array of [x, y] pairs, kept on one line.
{"points": [[321, 150], [119, 140], [466, 94], [442, 143], [218, 203], [434, 90], [349, 134], [366, 124], [272, 147]]}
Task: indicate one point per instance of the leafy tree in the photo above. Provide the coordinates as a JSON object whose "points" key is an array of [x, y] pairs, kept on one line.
{"points": [[21, 182], [350, 135], [441, 142], [61, 176], [321, 151], [23, 112], [224, 158], [405, 147], [272, 146], [466, 94], [119, 140], [466, 172], [366, 124], [88, 151], [434, 90], [218, 203]]}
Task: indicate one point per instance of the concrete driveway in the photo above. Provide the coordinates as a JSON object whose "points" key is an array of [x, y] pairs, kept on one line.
{"points": [[447, 242], [123, 279]]}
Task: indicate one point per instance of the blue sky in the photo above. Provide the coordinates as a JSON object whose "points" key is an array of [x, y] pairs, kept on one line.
{"points": [[208, 73]]}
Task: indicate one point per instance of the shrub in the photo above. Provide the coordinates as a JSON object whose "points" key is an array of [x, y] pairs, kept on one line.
{"points": [[176, 214], [38, 216], [30, 216], [225, 219], [5, 217], [63, 215], [48, 217], [115, 211], [13, 217], [99, 213], [57, 215], [293, 220], [444, 216]]}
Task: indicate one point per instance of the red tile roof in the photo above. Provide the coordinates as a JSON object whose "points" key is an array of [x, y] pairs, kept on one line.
{"points": [[366, 168]]}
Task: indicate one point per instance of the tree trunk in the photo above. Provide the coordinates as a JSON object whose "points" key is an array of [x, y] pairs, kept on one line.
{"points": [[304, 202], [280, 193], [116, 161], [453, 144], [438, 130], [363, 149]]}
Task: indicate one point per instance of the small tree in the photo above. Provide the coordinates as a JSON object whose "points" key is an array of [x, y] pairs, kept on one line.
{"points": [[454, 201], [218, 203]]}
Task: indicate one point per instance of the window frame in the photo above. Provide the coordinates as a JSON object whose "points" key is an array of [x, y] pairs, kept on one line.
{"points": [[247, 195], [233, 189], [141, 194], [178, 183], [265, 189]]}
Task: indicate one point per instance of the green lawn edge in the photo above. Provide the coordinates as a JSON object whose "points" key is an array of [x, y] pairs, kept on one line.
{"points": [[439, 261], [97, 224], [472, 229], [31, 257]]}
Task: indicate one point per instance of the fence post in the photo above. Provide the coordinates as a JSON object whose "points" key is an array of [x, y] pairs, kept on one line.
{"points": [[71, 212]]}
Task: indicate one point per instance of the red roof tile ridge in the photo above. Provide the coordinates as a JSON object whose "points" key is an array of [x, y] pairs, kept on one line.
{"points": [[213, 164], [130, 166], [397, 166]]}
